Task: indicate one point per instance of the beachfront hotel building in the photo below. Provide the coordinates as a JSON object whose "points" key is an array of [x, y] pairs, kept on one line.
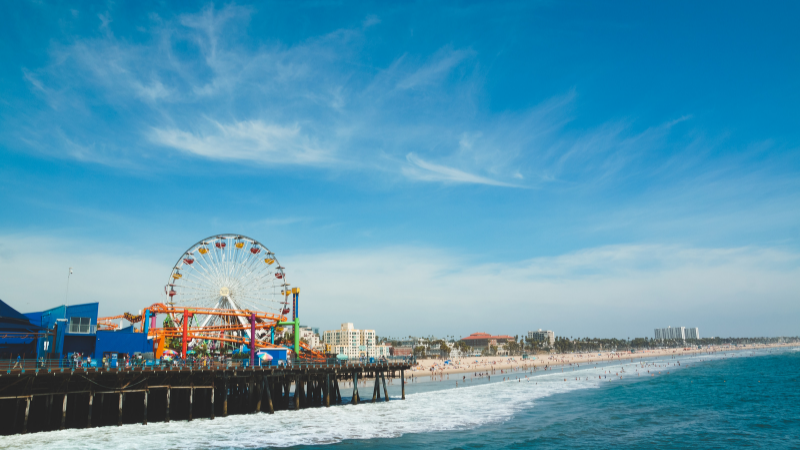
{"points": [[546, 336], [481, 341], [354, 343], [676, 333]]}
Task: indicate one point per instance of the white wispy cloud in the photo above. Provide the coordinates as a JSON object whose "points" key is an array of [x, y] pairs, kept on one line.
{"points": [[152, 92], [371, 20], [265, 143], [441, 64], [422, 170]]}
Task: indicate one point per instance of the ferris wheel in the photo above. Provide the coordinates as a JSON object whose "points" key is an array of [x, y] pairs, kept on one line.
{"points": [[228, 272]]}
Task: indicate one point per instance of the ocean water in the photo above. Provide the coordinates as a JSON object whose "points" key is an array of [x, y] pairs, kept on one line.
{"points": [[743, 399]]}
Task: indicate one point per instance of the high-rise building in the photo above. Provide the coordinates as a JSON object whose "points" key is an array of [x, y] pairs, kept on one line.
{"points": [[547, 337], [351, 342], [676, 333]]}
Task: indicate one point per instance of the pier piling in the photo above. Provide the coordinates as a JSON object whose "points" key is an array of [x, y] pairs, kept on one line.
{"points": [[89, 415], [16, 413], [269, 396], [286, 394], [64, 413], [250, 393], [403, 384], [260, 397], [376, 391], [27, 411], [50, 411], [191, 400], [327, 390], [355, 389], [144, 413], [212, 401], [302, 386], [297, 390], [225, 398], [167, 408]]}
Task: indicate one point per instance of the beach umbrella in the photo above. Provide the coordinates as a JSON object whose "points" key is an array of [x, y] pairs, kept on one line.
{"points": [[341, 356], [266, 357]]}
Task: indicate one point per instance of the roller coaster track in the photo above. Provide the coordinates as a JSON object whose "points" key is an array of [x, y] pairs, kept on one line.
{"points": [[218, 333]]}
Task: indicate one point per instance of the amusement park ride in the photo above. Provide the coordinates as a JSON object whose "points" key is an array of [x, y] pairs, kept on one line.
{"points": [[232, 292]]}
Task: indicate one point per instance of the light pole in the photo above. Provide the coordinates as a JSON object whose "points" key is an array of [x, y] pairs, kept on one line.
{"points": [[66, 294]]}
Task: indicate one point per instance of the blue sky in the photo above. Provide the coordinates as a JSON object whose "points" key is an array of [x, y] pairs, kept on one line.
{"points": [[593, 169]]}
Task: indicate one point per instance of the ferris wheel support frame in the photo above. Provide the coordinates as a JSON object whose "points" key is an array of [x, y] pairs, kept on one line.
{"points": [[295, 323]]}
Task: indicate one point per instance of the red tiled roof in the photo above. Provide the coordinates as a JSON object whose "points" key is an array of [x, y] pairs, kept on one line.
{"points": [[474, 336], [478, 335]]}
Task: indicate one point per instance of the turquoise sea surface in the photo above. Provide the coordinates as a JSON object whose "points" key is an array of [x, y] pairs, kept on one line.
{"points": [[740, 401], [726, 400]]}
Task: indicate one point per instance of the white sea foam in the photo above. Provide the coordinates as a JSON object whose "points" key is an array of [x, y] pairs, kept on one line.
{"points": [[448, 409]]}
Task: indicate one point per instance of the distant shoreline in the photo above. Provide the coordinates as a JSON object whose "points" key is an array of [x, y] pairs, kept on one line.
{"points": [[497, 363]]}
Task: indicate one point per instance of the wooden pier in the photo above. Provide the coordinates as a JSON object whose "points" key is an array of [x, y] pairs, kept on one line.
{"points": [[33, 400]]}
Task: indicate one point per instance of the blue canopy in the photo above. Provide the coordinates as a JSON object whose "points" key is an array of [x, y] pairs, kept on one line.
{"points": [[20, 331]]}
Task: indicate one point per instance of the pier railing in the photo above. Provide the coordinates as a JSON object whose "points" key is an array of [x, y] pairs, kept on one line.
{"points": [[23, 365]]}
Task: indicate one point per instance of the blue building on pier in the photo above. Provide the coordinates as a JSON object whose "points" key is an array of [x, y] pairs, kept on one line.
{"points": [[64, 330], [73, 329]]}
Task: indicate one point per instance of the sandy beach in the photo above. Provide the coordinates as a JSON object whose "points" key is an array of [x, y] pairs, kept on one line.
{"points": [[501, 364]]}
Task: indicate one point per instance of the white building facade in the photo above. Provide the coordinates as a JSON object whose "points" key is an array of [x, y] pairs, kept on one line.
{"points": [[547, 337], [383, 350], [676, 333], [353, 343], [311, 337]]}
